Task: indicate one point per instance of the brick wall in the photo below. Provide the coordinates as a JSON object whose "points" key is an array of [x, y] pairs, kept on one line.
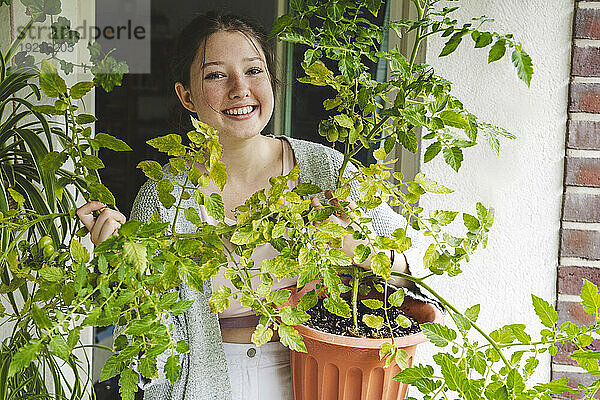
{"points": [[580, 235]]}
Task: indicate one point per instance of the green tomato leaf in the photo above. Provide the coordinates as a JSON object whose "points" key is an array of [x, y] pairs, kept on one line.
{"points": [[170, 144], [279, 297], [548, 316], [181, 306], [246, 235], [328, 104], [411, 376], [590, 297], [17, 197], [164, 186], [397, 298], [431, 186], [78, 252], [291, 316], [308, 272], [101, 193], [308, 301], [166, 199], [336, 305], [41, 317], [150, 229], [432, 150], [191, 214], [380, 265], [178, 164], [291, 338], [151, 169], [304, 189], [454, 377], [128, 384], [454, 119], [214, 206], [453, 157], [140, 326], [130, 228], [219, 300], [403, 321], [73, 337], [430, 257], [338, 258], [373, 321], [402, 359], [524, 66], [472, 313], [462, 323], [361, 253], [135, 254], [452, 43], [471, 223], [111, 142], [218, 174], [497, 51], [408, 139], [373, 304], [167, 300], [112, 367], [483, 40], [380, 154], [344, 121], [182, 347], [262, 335], [147, 367], [438, 334], [191, 275]]}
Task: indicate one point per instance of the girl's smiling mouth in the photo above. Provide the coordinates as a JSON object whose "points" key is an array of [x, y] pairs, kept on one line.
{"points": [[241, 112]]}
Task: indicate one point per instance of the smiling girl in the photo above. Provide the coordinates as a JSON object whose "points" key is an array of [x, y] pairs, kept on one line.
{"points": [[224, 72]]}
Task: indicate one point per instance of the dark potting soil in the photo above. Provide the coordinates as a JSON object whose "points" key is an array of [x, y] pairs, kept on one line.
{"points": [[324, 321]]}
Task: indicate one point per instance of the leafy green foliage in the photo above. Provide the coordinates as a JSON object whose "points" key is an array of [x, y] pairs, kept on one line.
{"points": [[131, 280]]}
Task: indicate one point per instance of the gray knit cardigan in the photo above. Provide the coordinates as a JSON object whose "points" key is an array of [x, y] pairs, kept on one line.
{"points": [[204, 369]]}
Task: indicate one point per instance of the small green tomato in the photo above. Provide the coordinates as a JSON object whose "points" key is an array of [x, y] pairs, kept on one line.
{"points": [[48, 251], [45, 241]]}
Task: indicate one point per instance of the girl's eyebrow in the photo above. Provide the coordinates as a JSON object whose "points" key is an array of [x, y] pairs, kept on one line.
{"points": [[247, 59]]}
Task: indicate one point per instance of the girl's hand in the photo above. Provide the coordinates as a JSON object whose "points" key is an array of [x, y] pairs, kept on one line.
{"points": [[106, 224]]}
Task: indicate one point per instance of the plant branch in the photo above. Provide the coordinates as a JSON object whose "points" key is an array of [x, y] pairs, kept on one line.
{"points": [[449, 306]]}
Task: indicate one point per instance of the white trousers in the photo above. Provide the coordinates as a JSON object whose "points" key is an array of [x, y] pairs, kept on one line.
{"points": [[259, 373]]}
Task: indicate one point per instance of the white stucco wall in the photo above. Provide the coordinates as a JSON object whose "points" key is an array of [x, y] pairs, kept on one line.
{"points": [[524, 184]]}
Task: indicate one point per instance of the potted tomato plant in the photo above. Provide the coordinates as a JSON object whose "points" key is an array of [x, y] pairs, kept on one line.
{"points": [[135, 279]]}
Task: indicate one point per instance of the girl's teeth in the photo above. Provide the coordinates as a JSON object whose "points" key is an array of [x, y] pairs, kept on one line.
{"points": [[240, 111]]}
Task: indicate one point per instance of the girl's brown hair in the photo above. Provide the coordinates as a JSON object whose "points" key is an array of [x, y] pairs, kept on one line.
{"points": [[200, 28]]}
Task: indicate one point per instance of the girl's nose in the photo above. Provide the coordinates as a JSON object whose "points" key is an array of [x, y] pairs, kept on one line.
{"points": [[239, 88]]}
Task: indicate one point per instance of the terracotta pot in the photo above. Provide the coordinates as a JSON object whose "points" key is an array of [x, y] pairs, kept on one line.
{"points": [[348, 368]]}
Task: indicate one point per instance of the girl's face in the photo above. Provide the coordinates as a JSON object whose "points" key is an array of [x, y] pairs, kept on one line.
{"points": [[230, 88]]}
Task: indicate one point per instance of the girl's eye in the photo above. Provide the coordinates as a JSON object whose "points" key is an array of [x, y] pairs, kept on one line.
{"points": [[255, 71], [213, 75]]}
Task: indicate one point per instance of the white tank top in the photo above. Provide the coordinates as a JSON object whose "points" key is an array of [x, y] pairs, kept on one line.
{"points": [[260, 253]]}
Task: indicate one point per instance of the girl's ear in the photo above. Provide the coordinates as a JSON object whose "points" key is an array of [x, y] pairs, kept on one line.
{"points": [[185, 97]]}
